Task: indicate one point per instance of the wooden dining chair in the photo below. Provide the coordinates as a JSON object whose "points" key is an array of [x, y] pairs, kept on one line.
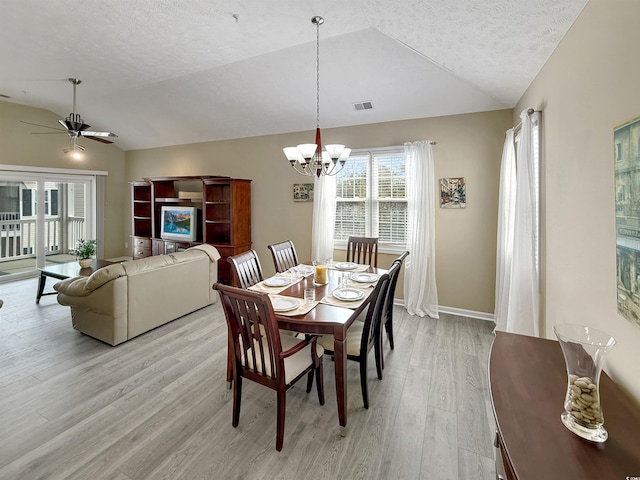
{"points": [[387, 310], [362, 336], [246, 269], [263, 355], [284, 255], [363, 250]]}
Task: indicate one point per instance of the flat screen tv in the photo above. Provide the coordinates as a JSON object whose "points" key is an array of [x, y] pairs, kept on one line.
{"points": [[178, 223]]}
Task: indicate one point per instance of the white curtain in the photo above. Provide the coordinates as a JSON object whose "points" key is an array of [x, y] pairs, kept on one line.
{"points": [[420, 292], [506, 221], [324, 214], [519, 310]]}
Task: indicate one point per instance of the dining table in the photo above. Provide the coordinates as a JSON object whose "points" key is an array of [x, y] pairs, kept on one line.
{"points": [[325, 318]]}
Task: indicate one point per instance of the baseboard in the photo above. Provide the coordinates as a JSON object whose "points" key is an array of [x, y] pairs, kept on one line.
{"points": [[457, 311]]}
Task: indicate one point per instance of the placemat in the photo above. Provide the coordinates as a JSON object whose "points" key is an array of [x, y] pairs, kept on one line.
{"points": [[331, 300], [359, 268], [261, 287]]}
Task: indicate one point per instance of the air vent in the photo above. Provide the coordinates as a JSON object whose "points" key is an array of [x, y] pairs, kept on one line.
{"points": [[363, 106]]}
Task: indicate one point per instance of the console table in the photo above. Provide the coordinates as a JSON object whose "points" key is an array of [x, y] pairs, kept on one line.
{"points": [[528, 382]]}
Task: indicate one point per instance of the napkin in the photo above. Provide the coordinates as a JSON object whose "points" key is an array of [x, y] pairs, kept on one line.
{"points": [[302, 309]]}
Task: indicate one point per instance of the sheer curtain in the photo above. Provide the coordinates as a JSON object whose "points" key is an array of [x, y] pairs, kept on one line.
{"points": [[420, 292], [324, 214], [519, 309]]}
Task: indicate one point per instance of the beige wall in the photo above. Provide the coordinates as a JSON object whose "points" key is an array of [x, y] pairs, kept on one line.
{"points": [[590, 84], [19, 147], [468, 146]]}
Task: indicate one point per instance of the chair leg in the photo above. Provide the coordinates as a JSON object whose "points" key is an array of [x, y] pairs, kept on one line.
{"points": [[320, 382], [237, 397], [282, 405], [377, 353], [380, 349], [363, 382], [389, 327], [309, 380]]}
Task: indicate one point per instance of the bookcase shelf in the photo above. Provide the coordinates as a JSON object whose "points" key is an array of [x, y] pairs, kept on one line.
{"points": [[225, 221]]}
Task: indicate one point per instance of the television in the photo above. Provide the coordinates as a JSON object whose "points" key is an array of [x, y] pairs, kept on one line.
{"points": [[178, 223]]}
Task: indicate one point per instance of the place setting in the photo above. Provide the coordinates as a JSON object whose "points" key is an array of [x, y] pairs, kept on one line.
{"points": [[292, 306], [276, 284], [348, 267], [345, 296]]}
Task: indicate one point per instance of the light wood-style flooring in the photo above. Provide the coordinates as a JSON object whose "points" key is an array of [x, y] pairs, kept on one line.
{"points": [[157, 407]]}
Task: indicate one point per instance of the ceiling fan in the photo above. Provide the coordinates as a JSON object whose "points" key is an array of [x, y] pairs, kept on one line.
{"points": [[75, 127]]}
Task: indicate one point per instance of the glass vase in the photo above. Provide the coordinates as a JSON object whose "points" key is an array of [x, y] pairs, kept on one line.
{"points": [[584, 350], [320, 272]]}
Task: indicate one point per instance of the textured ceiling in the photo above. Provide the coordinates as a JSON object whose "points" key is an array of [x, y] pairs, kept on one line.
{"points": [[167, 72]]}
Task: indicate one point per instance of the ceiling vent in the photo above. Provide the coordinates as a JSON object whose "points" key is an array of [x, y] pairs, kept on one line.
{"points": [[363, 106]]}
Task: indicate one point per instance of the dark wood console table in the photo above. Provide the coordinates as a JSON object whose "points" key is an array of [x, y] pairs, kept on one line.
{"points": [[528, 379]]}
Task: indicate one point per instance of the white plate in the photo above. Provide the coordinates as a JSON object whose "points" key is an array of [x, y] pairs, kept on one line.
{"points": [[305, 269], [346, 265], [364, 277], [348, 294], [277, 281], [282, 304]]}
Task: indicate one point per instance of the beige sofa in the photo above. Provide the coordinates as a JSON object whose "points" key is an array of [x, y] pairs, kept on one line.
{"points": [[124, 300]]}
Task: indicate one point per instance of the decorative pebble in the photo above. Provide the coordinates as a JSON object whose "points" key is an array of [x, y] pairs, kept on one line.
{"points": [[582, 401]]}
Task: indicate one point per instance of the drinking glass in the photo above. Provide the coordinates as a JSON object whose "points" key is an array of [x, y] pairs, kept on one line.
{"points": [[310, 295], [320, 272], [584, 350]]}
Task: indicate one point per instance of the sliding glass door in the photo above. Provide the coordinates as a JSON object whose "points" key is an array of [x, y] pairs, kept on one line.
{"points": [[42, 216]]}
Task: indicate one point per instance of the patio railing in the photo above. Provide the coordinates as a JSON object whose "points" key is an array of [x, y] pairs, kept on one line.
{"points": [[18, 236]]}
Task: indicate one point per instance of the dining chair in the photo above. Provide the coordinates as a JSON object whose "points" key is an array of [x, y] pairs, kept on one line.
{"points": [[263, 355], [246, 269], [284, 255], [387, 310], [362, 336], [363, 250]]}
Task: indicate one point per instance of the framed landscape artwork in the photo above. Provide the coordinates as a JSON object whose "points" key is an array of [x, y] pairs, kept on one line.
{"points": [[626, 154], [303, 192], [453, 193]]}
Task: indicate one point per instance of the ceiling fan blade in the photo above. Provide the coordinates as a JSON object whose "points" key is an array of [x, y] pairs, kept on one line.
{"points": [[98, 139], [44, 126], [98, 134]]}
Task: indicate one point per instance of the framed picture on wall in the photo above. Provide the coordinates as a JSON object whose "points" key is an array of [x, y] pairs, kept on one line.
{"points": [[303, 192], [453, 193], [626, 157]]}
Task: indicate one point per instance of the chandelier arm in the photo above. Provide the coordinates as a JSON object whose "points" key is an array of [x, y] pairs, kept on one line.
{"points": [[301, 172]]}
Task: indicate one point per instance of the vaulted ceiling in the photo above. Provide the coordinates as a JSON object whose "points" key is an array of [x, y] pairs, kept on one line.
{"points": [[167, 72]]}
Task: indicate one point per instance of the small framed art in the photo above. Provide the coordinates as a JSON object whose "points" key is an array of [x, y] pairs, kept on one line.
{"points": [[453, 193], [303, 192]]}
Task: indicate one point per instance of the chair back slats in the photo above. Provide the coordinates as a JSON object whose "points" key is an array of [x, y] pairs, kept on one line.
{"points": [[371, 327], [394, 274], [246, 269], [284, 255], [254, 332], [363, 250]]}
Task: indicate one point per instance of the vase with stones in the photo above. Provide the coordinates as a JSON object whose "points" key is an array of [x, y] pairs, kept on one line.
{"points": [[584, 349]]}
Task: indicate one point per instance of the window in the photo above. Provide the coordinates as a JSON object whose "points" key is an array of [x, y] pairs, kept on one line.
{"points": [[371, 198]]}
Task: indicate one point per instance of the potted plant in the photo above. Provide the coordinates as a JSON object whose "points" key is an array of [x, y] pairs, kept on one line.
{"points": [[85, 250]]}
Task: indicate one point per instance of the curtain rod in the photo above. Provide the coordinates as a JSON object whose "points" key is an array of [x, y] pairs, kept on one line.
{"points": [[530, 112]]}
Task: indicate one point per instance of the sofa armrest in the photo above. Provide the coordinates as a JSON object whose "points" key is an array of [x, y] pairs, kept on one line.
{"points": [[83, 286]]}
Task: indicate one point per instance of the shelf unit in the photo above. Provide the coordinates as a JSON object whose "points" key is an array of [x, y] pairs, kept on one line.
{"points": [[225, 204]]}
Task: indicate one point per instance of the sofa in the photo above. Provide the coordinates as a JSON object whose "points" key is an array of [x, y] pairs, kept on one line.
{"points": [[123, 300]]}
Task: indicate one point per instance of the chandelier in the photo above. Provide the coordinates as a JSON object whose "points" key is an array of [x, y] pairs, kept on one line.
{"points": [[308, 158]]}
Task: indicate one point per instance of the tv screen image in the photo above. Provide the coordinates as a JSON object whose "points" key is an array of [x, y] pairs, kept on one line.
{"points": [[179, 223]]}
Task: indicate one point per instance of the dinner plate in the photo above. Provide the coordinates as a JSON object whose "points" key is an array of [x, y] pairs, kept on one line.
{"points": [[277, 281], [346, 265], [348, 294], [284, 304], [364, 277]]}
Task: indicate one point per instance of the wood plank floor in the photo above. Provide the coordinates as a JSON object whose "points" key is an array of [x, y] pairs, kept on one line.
{"points": [[157, 407]]}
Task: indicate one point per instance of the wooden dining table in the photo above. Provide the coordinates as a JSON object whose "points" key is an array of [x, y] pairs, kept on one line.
{"points": [[328, 319]]}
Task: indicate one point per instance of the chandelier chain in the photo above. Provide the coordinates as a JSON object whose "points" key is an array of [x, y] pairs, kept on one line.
{"points": [[318, 75]]}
